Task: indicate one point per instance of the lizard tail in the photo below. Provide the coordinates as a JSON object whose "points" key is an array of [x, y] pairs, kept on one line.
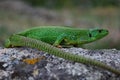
{"points": [[17, 40]]}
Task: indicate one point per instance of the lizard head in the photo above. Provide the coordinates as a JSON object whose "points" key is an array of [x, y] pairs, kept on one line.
{"points": [[96, 34]]}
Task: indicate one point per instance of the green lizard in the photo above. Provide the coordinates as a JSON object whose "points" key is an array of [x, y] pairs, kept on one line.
{"points": [[64, 36], [39, 38]]}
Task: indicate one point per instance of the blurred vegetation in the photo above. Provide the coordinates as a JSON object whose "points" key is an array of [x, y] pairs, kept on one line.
{"points": [[17, 16], [73, 3]]}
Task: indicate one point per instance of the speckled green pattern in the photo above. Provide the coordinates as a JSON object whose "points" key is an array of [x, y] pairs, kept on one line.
{"points": [[64, 35], [17, 40]]}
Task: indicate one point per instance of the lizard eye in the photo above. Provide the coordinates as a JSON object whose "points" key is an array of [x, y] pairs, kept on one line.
{"points": [[100, 31]]}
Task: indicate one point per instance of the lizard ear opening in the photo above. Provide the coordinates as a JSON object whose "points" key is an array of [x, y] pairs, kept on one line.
{"points": [[90, 35]]}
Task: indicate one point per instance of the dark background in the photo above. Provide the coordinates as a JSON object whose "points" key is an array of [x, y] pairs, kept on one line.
{"points": [[18, 15]]}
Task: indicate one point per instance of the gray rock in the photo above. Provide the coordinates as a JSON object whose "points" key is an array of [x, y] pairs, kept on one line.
{"points": [[50, 67]]}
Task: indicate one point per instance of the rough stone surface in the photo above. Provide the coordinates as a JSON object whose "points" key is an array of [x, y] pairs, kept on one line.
{"points": [[53, 68]]}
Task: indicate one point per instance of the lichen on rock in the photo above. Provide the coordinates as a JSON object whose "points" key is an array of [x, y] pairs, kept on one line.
{"points": [[13, 67]]}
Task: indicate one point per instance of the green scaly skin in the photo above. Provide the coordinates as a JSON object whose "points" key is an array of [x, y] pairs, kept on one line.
{"points": [[39, 37], [64, 36]]}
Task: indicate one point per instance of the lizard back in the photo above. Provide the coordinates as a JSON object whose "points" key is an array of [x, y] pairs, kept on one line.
{"points": [[50, 33]]}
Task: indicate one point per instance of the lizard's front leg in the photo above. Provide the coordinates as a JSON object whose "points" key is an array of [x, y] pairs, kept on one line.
{"points": [[59, 40]]}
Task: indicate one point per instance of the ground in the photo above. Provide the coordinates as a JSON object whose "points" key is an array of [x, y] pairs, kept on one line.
{"points": [[53, 68]]}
